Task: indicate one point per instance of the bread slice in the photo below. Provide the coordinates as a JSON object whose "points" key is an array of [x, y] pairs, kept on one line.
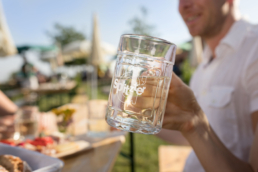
{"points": [[11, 163], [70, 146], [2, 169]]}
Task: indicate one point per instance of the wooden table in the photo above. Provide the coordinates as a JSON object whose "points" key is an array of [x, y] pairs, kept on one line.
{"points": [[49, 88], [100, 158], [57, 90], [105, 149]]}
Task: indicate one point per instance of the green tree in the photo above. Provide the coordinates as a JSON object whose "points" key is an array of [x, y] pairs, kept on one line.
{"points": [[187, 71], [64, 35], [139, 24]]}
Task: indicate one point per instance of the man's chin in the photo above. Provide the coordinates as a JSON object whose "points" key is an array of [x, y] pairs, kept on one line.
{"points": [[195, 30], [194, 34]]}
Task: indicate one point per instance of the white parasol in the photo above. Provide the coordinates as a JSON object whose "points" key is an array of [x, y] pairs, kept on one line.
{"points": [[7, 47], [95, 50], [82, 49]]}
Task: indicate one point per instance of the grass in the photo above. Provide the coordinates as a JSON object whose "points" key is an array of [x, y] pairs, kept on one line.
{"points": [[85, 88], [50, 101], [146, 154]]}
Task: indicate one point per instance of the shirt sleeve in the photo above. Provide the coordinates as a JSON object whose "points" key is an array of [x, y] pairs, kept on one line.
{"points": [[250, 80]]}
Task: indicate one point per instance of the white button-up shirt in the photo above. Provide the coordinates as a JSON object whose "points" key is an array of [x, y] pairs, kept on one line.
{"points": [[227, 90]]}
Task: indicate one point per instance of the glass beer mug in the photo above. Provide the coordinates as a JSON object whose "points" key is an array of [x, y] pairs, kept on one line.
{"points": [[140, 84]]}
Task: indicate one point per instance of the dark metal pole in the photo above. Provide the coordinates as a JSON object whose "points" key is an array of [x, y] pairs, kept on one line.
{"points": [[132, 152]]}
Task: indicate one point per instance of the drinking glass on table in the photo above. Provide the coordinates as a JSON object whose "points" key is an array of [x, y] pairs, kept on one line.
{"points": [[140, 84], [26, 123], [97, 126]]}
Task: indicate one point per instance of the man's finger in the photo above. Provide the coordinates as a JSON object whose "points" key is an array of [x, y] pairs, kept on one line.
{"points": [[176, 81]]}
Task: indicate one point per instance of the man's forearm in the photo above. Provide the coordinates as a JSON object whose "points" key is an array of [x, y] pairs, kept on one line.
{"points": [[7, 107], [173, 137], [212, 153]]}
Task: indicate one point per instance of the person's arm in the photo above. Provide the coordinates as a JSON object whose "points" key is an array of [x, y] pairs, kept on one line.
{"points": [[173, 137], [254, 149], [214, 156], [184, 114], [7, 107]]}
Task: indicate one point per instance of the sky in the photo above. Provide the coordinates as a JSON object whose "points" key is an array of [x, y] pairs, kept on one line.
{"points": [[29, 20]]}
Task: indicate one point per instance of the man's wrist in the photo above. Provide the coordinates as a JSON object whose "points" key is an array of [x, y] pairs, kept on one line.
{"points": [[200, 127]]}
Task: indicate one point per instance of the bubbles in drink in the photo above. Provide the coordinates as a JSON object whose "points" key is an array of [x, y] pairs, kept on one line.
{"points": [[140, 100]]}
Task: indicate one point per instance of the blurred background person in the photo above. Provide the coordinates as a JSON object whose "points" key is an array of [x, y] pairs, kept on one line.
{"points": [[29, 74], [180, 59]]}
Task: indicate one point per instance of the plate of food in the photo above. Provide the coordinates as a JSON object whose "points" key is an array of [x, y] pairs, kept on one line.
{"points": [[10, 163], [16, 159], [51, 146]]}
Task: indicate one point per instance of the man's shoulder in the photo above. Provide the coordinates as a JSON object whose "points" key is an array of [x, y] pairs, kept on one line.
{"points": [[253, 31], [251, 45], [251, 39]]}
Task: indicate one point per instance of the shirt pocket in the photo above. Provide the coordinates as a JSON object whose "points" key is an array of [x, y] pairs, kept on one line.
{"points": [[222, 114], [220, 96]]}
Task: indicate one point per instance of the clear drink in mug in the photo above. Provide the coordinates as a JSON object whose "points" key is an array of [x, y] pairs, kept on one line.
{"points": [[140, 84]]}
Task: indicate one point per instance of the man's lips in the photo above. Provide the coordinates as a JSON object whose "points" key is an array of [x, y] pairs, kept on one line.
{"points": [[192, 19]]}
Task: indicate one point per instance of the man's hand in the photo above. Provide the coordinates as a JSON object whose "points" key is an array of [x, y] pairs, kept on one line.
{"points": [[183, 113]]}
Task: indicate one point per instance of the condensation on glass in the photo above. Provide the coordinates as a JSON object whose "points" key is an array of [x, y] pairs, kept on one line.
{"points": [[140, 84]]}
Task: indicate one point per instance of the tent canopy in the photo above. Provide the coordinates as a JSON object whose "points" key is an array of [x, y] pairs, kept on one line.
{"points": [[35, 47], [82, 49]]}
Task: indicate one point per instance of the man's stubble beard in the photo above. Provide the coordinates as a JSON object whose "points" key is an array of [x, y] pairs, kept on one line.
{"points": [[213, 28]]}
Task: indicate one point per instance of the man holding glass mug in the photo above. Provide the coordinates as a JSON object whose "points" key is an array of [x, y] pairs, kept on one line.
{"points": [[219, 118]]}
